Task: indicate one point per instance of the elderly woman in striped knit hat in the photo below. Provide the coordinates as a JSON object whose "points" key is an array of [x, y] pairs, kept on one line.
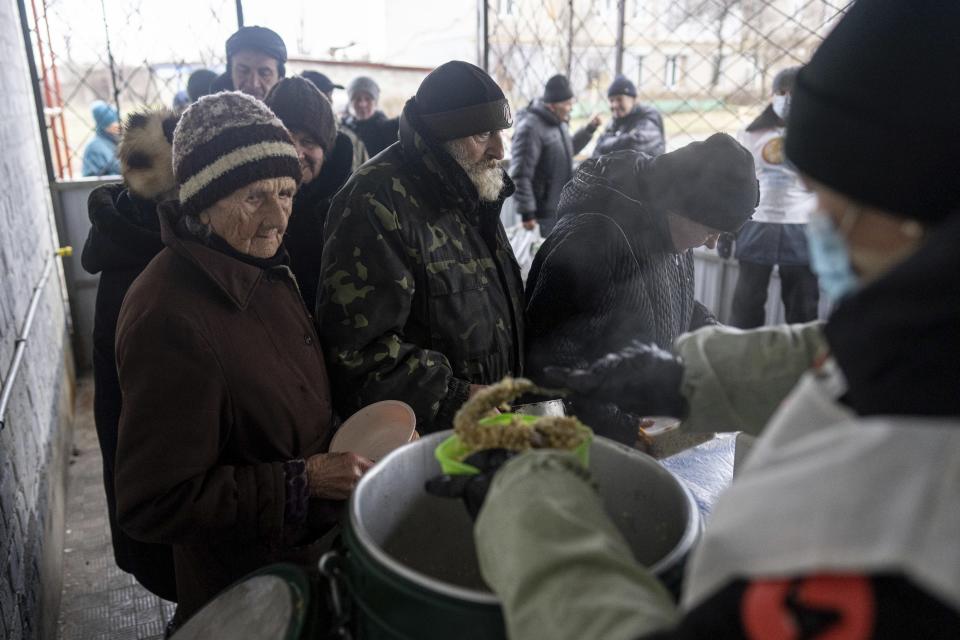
{"points": [[226, 404]]}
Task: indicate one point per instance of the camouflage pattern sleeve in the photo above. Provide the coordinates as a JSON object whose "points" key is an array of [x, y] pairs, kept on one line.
{"points": [[363, 303]]}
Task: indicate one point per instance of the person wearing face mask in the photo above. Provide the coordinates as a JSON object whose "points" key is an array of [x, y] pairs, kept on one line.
{"points": [[776, 235], [842, 523], [541, 156], [326, 160], [226, 414], [619, 265]]}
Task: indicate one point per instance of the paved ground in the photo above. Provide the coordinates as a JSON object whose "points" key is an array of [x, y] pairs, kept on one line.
{"points": [[100, 602]]}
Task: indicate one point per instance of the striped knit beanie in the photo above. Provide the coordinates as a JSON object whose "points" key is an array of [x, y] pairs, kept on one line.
{"points": [[224, 142]]}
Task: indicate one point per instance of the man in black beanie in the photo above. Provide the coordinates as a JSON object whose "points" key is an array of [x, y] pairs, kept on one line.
{"points": [[326, 159], [541, 157], [256, 59], [619, 265], [635, 126], [420, 296]]}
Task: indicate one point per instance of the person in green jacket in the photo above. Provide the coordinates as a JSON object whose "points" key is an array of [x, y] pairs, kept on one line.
{"points": [[420, 296]]}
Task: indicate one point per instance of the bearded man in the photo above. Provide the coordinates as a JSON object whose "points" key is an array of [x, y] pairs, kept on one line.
{"points": [[420, 297]]}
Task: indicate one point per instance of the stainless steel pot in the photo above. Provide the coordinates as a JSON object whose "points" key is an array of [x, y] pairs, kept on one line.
{"points": [[428, 541]]}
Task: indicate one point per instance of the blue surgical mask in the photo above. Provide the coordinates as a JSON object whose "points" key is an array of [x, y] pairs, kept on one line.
{"points": [[829, 257], [781, 106]]}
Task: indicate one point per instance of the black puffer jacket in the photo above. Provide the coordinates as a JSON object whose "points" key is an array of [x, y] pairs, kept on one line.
{"points": [[541, 162], [377, 132], [608, 274], [304, 237], [124, 238], [639, 130]]}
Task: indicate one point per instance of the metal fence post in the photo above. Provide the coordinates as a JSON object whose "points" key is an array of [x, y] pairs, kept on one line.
{"points": [[621, 25], [240, 14], [570, 12], [483, 53], [35, 85]]}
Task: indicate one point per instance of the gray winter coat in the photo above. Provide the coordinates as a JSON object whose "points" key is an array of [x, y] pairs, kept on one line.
{"points": [[639, 130], [542, 162]]}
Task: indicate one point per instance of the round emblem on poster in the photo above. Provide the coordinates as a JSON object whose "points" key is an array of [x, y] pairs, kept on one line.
{"points": [[773, 151]]}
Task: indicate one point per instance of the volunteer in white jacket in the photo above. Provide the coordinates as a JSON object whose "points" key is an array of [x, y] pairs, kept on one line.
{"points": [[776, 236]]}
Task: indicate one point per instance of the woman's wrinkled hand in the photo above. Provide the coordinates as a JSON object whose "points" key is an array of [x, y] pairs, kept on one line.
{"points": [[335, 475]]}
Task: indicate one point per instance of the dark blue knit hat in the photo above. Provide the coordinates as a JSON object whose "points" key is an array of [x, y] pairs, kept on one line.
{"points": [[621, 86]]}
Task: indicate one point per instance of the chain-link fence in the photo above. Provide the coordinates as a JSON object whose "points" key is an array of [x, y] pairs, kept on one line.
{"points": [[705, 64], [126, 53]]}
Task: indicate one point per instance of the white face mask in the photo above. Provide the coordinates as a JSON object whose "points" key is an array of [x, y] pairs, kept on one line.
{"points": [[781, 106]]}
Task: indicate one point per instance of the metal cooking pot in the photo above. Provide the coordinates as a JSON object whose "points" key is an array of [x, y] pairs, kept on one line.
{"points": [[410, 560]]}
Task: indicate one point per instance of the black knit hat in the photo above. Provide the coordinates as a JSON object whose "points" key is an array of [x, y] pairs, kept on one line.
{"points": [[557, 89], [302, 108], [621, 86], [223, 143], [321, 81], [261, 39], [199, 83], [873, 116], [458, 99], [711, 182]]}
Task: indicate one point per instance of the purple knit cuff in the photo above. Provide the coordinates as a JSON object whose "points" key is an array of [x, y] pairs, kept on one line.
{"points": [[297, 492]]}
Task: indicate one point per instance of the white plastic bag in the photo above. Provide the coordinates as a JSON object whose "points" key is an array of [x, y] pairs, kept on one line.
{"points": [[525, 243]]}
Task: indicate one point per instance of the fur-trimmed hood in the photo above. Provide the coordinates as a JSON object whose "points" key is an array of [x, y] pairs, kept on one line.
{"points": [[145, 154]]}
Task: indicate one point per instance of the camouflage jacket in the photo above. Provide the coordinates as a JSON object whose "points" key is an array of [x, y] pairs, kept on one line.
{"points": [[420, 294]]}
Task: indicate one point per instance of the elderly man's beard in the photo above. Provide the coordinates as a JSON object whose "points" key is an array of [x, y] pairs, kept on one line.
{"points": [[485, 174]]}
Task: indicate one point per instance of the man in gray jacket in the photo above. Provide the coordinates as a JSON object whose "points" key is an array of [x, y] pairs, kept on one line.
{"points": [[541, 159], [635, 126]]}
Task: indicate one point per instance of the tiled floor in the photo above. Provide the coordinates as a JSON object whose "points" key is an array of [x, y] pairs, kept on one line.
{"points": [[99, 602]]}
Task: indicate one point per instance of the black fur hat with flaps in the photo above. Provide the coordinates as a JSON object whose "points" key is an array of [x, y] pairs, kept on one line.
{"points": [[145, 152]]}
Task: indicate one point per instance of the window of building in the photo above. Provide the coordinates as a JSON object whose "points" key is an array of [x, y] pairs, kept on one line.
{"points": [[673, 71]]}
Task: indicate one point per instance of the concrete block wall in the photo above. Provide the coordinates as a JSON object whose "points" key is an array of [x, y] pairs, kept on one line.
{"points": [[34, 442]]}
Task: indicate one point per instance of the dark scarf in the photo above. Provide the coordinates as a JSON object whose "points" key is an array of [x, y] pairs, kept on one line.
{"points": [[217, 243], [897, 340]]}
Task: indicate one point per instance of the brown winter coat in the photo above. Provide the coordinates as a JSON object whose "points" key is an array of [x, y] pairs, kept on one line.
{"points": [[223, 380]]}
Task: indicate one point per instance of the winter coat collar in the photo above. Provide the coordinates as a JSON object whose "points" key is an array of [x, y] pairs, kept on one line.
{"points": [[538, 108], [124, 233], [637, 113], [768, 119], [440, 175], [353, 122], [613, 185], [237, 280], [897, 340]]}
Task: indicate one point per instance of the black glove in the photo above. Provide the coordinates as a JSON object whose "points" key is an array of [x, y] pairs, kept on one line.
{"points": [[725, 245], [640, 378], [472, 489]]}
